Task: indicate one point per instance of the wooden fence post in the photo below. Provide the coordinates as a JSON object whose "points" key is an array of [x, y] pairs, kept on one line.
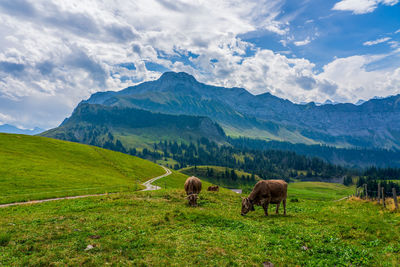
{"points": [[395, 198], [365, 191], [379, 193], [383, 196]]}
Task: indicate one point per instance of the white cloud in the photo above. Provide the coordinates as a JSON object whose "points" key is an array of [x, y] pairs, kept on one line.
{"points": [[362, 6], [56, 53], [396, 32], [356, 82], [70, 49], [5, 118], [304, 42], [394, 44], [378, 41]]}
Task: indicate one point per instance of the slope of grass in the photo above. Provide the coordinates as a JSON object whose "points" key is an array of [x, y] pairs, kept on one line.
{"points": [[319, 190], [158, 228], [34, 167], [175, 180]]}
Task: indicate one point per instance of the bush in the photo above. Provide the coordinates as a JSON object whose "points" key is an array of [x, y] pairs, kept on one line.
{"points": [[4, 239]]}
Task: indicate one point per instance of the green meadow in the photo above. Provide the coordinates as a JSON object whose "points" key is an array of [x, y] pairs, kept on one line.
{"points": [[158, 228], [34, 167]]}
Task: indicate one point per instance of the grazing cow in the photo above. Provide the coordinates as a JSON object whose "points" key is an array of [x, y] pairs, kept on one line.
{"points": [[264, 193], [192, 188], [213, 188]]}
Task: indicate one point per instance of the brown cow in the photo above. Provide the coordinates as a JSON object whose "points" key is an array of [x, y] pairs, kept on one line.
{"points": [[213, 188], [264, 193], [192, 188]]}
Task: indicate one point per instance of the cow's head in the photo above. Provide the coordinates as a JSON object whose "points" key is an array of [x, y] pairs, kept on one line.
{"points": [[192, 199], [246, 206]]}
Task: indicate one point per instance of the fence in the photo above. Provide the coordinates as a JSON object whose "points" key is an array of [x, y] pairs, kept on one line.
{"points": [[380, 195]]}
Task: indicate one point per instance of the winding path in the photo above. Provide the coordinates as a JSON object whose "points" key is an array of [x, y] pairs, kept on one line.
{"points": [[147, 184]]}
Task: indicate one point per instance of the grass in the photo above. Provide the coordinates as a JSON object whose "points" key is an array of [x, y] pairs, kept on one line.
{"points": [[319, 190], [201, 172], [36, 168], [158, 228]]}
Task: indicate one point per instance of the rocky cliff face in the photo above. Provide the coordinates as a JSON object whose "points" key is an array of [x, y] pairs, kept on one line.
{"points": [[375, 123]]}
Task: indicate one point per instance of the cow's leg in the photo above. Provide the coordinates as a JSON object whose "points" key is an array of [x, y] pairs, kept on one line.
{"points": [[265, 206], [284, 206], [277, 207]]}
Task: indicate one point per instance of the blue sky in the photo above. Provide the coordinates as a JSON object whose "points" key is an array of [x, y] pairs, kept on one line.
{"points": [[55, 53]]}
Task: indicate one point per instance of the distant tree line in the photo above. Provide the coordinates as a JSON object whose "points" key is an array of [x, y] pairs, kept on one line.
{"points": [[267, 164], [351, 157]]}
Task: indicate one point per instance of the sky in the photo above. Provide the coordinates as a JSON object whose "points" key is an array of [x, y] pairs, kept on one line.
{"points": [[55, 53]]}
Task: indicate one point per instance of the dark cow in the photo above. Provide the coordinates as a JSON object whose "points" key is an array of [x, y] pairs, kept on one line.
{"points": [[192, 188], [264, 193], [213, 188]]}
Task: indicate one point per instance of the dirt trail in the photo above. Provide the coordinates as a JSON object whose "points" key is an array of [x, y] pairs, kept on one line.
{"points": [[343, 198], [147, 184]]}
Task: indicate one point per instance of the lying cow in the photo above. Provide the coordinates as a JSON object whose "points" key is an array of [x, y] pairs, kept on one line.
{"points": [[192, 188], [213, 188], [264, 193]]}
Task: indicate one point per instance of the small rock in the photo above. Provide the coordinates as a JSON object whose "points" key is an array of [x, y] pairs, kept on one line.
{"points": [[268, 264], [89, 247], [304, 248]]}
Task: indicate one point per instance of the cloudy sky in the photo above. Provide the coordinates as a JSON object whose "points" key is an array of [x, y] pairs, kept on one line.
{"points": [[54, 53]]}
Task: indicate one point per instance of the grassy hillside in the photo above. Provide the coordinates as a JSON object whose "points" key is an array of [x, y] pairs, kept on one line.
{"points": [[158, 228], [319, 190], [37, 167]]}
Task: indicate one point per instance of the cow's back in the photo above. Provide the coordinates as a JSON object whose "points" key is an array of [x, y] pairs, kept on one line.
{"points": [[192, 185], [278, 189], [275, 190]]}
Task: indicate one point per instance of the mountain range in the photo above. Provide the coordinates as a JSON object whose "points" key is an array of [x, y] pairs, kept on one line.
{"points": [[177, 107], [373, 124]]}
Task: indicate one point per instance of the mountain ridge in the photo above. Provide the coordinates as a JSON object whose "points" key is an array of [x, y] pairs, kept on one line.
{"points": [[373, 124], [8, 128]]}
